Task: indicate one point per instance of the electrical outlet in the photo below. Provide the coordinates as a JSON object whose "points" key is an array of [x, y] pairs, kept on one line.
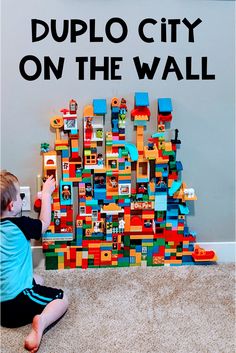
{"points": [[26, 204]]}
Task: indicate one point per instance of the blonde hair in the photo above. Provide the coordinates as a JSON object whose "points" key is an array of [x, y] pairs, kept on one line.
{"points": [[8, 189]]}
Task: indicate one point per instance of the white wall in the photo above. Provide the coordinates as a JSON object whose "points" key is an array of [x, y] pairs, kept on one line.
{"points": [[203, 110]]}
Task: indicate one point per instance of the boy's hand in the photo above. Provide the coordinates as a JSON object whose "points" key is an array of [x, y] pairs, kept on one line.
{"points": [[49, 186]]}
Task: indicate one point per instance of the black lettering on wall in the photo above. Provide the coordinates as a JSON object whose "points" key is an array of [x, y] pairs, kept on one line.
{"points": [[144, 69]]}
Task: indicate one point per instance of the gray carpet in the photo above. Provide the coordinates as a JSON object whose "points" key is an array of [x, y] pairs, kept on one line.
{"points": [[140, 310]]}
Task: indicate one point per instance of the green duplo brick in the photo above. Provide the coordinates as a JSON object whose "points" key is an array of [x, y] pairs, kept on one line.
{"points": [[51, 264], [87, 226], [126, 241], [126, 253], [86, 180], [52, 246], [86, 171], [161, 242], [124, 264], [50, 254]]}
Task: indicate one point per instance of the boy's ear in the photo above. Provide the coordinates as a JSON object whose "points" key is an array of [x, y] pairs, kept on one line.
{"points": [[10, 206]]}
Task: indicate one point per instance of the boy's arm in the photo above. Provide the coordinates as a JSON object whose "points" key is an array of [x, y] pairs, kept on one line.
{"points": [[45, 213]]}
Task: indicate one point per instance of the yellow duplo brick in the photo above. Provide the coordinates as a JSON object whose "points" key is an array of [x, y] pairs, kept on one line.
{"points": [[72, 179], [187, 253], [61, 259], [93, 246], [124, 177], [171, 243], [158, 174], [185, 242], [146, 244], [173, 262], [100, 170], [138, 258], [127, 223], [108, 244], [78, 258], [132, 252], [74, 142], [180, 227], [68, 254], [61, 266], [179, 254], [148, 216], [168, 146], [114, 263], [112, 193], [60, 250], [136, 228], [141, 236], [119, 239], [170, 182]]}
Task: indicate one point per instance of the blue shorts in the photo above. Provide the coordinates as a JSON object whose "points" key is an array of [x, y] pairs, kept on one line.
{"points": [[21, 310]]}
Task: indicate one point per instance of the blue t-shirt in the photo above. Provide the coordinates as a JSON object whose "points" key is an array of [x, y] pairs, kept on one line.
{"points": [[15, 254]]}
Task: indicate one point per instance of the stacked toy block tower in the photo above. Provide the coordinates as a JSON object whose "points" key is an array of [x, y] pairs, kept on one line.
{"points": [[102, 214]]}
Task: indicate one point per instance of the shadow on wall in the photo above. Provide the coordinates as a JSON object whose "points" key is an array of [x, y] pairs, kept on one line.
{"points": [[38, 257]]}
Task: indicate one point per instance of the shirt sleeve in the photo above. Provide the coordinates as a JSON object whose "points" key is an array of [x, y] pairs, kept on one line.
{"points": [[32, 228]]}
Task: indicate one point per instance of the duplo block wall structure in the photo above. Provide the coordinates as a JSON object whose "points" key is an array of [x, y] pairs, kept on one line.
{"points": [[119, 220]]}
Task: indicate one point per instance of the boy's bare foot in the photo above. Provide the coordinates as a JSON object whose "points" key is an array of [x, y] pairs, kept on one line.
{"points": [[33, 339]]}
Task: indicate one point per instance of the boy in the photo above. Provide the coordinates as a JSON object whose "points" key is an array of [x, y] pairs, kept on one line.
{"points": [[23, 299]]}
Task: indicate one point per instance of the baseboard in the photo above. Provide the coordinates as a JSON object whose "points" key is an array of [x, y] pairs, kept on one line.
{"points": [[226, 252]]}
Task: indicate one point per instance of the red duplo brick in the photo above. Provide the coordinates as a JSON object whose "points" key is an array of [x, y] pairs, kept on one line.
{"points": [[148, 212], [72, 253], [72, 264], [173, 176], [126, 210], [72, 168], [84, 263], [89, 209], [105, 263], [161, 250]]}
